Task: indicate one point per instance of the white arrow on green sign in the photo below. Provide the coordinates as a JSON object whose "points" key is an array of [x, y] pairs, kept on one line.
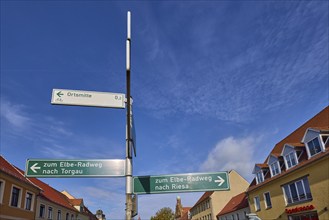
{"points": [[75, 168], [190, 182], [88, 98]]}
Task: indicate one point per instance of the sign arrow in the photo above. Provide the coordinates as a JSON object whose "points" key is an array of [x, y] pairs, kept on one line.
{"points": [[60, 94], [220, 181], [188, 182], [34, 168]]}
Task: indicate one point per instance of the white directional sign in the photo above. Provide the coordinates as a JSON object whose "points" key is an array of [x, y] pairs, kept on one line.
{"points": [[88, 98]]}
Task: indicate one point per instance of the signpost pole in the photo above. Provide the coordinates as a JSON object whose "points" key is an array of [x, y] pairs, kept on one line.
{"points": [[129, 165]]}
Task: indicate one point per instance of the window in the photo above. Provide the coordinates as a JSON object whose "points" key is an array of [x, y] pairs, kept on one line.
{"points": [[267, 199], [50, 213], [28, 201], [260, 177], [2, 189], [15, 197], [257, 203], [72, 217], [290, 160], [42, 211], [59, 215], [314, 147], [275, 169], [67, 216], [302, 216], [297, 191]]}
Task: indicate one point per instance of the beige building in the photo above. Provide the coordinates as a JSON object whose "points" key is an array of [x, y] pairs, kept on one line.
{"points": [[293, 182], [52, 204], [211, 203], [18, 195], [23, 198]]}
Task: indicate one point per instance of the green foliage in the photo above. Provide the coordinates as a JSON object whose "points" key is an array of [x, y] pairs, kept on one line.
{"points": [[164, 214]]}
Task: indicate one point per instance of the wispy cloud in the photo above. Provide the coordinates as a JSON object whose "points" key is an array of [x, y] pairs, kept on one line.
{"points": [[232, 72], [233, 154], [54, 136], [14, 114]]}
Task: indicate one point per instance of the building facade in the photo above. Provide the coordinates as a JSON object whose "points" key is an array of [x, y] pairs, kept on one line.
{"points": [[236, 209], [18, 196], [211, 203], [23, 198], [293, 182]]}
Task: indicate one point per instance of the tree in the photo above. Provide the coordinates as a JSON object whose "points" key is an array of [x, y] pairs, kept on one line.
{"points": [[164, 214]]}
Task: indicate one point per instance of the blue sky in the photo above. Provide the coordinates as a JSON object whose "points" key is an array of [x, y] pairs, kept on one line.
{"points": [[216, 85]]}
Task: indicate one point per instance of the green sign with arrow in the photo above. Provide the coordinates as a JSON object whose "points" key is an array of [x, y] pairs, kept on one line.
{"points": [[191, 182], [75, 168]]}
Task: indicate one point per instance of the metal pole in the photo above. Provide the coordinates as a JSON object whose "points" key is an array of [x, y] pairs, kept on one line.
{"points": [[129, 165]]}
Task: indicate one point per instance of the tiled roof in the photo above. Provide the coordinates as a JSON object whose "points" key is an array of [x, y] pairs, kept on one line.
{"points": [[76, 202], [323, 128], [296, 144], [320, 122], [185, 213], [52, 194], [262, 165], [203, 197], [276, 155], [90, 214], [239, 201], [13, 171], [46, 191]]}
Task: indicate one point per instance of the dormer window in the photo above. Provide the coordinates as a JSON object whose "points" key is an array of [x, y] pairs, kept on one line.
{"points": [[275, 169], [315, 140], [290, 153], [274, 164], [290, 159], [314, 147], [259, 177], [260, 171]]}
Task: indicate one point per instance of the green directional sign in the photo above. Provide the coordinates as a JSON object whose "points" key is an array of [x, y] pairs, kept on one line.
{"points": [[190, 182], [74, 168]]}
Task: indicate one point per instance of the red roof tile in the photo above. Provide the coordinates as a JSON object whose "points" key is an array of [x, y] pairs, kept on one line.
{"points": [[203, 197], [52, 194], [185, 213], [319, 122], [262, 165], [13, 171], [239, 201], [296, 144], [76, 202]]}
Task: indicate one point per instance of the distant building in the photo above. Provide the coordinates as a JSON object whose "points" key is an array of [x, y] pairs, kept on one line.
{"points": [[100, 215], [78, 204], [29, 198], [181, 213], [293, 181], [52, 204], [236, 209], [211, 203]]}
